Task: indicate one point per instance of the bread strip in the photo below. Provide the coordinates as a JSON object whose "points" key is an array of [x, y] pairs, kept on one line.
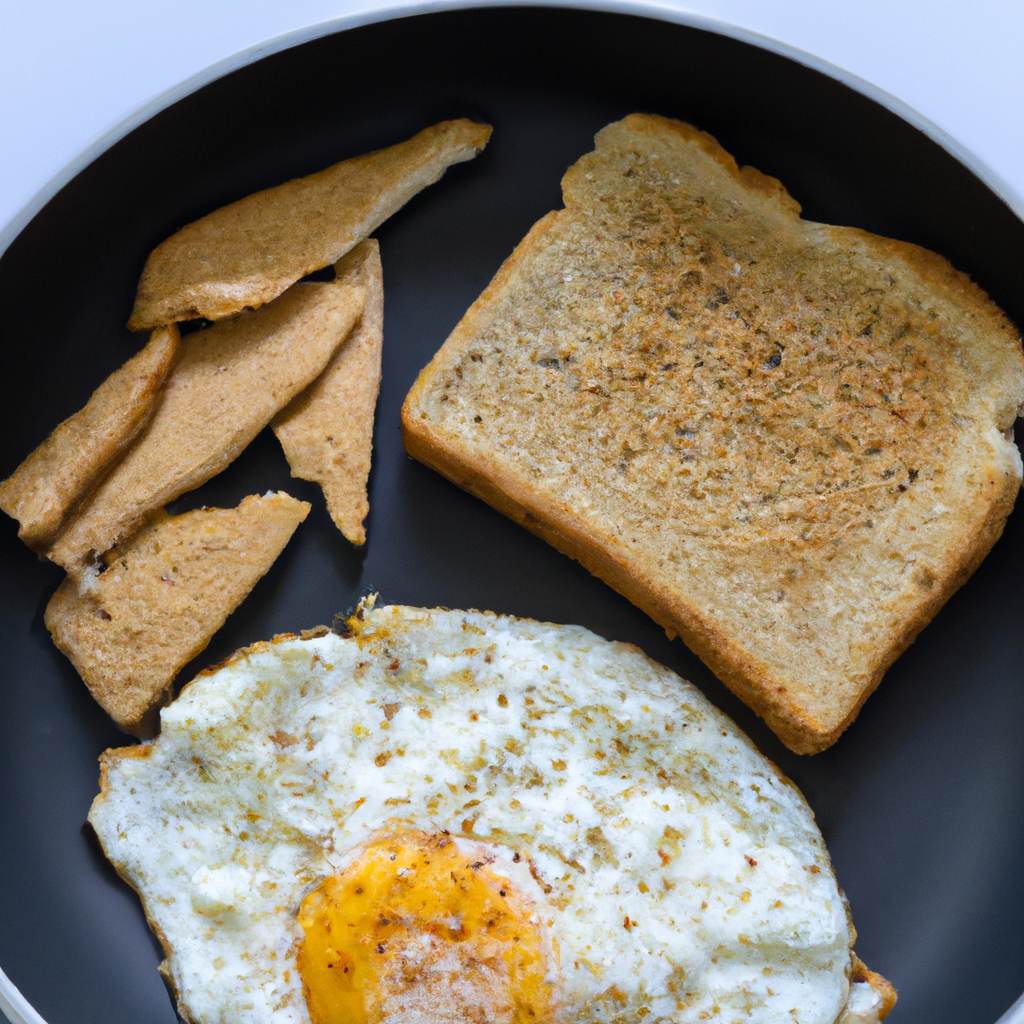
{"points": [[67, 465], [327, 431], [131, 628], [249, 252], [788, 443], [229, 381]]}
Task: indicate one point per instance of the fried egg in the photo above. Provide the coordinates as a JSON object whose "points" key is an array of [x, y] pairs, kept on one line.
{"points": [[460, 817]]}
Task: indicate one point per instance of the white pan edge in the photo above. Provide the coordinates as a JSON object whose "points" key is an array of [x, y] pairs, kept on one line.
{"points": [[13, 1004]]}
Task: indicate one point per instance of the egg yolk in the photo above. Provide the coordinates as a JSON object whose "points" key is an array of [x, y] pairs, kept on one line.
{"points": [[415, 927]]}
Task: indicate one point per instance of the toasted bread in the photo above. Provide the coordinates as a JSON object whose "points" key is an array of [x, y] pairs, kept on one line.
{"points": [[249, 252], [228, 383], [130, 629], [789, 443], [65, 468], [327, 431]]}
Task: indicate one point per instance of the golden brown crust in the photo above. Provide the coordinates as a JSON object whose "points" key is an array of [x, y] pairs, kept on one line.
{"points": [[327, 431], [248, 253], [228, 383], [137, 750], [255, 648], [664, 128], [881, 985], [162, 597], [66, 467], [780, 439]]}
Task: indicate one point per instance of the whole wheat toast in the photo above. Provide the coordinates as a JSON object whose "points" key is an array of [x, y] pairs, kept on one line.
{"points": [[229, 381], [67, 466], [131, 628], [327, 431], [249, 252], [787, 442]]}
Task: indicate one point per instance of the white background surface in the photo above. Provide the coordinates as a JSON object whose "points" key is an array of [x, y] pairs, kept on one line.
{"points": [[72, 72], [75, 75]]}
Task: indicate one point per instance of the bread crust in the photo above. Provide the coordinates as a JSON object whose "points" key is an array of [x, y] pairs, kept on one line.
{"points": [[979, 346]]}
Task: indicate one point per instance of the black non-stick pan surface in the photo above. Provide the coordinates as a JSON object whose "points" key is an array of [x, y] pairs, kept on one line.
{"points": [[921, 802]]}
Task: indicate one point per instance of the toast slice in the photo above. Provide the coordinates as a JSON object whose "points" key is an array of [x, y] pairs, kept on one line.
{"points": [[66, 467], [787, 442], [131, 628], [327, 431], [228, 383], [249, 252]]}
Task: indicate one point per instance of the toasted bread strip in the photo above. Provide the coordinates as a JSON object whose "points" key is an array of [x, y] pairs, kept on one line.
{"points": [[64, 469], [130, 629], [787, 442], [249, 252], [327, 431], [228, 383]]}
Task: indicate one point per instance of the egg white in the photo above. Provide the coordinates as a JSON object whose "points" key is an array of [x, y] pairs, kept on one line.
{"points": [[676, 866]]}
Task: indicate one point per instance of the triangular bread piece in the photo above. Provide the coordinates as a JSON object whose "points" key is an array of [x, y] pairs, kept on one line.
{"points": [[327, 431], [787, 442], [228, 383], [68, 464], [249, 252], [131, 628]]}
